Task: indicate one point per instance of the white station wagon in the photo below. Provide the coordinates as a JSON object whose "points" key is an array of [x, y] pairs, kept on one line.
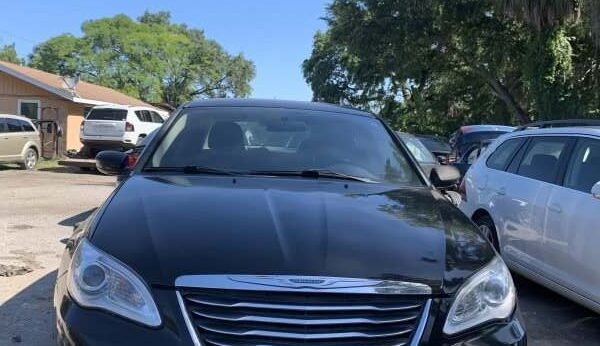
{"points": [[536, 195]]}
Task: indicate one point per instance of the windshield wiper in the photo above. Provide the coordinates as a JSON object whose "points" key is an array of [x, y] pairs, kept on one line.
{"points": [[313, 173], [190, 170]]}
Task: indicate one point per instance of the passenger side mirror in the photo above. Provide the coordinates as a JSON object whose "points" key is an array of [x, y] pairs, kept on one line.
{"points": [[442, 159], [596, 190], [444, 176], [112, 162]]}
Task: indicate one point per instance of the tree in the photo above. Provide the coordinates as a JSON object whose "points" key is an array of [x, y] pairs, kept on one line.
{"points": [[150, 58], [545, 14], [59, 55], [551, 65], [432, 65], [8, 53]]}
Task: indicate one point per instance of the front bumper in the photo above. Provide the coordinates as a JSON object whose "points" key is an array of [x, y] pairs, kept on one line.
{"points": [[81, 326]]}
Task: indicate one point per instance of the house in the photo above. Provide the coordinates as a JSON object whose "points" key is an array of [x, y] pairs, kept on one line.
{"points": [[45, 96]]}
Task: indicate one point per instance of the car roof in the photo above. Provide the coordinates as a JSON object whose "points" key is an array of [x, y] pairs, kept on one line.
{"points": [[436, 137], [405, 134], [260, 103], [583, 130], [124, 107], [12, 116], [483, 128]]}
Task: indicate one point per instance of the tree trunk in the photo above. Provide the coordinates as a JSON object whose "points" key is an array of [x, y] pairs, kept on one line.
{"points": [[502, 92]]}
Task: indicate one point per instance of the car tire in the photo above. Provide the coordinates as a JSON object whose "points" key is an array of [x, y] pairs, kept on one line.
{"points": [[30, 159], [488, 229]]}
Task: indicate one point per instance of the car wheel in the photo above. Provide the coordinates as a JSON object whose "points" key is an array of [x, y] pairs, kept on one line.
{"points": [[30, 159], [488, 230]]}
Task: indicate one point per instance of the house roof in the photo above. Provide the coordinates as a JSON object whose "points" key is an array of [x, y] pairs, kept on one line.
{"points": [[86, 93]]}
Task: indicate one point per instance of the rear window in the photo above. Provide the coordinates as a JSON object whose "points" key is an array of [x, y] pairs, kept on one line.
{"points": [[107, 114], [502, 156]]}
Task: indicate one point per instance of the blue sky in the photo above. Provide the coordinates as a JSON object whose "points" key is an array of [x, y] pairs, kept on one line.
{"points": [[275, 34]]}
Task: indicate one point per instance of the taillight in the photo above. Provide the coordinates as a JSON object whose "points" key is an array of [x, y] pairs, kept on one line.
{"points": [[462, 189], [131, 160], [129, 127], [81, 126]]}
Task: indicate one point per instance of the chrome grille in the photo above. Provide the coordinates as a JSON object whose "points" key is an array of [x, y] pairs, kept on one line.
{"points": [[234, 317]]}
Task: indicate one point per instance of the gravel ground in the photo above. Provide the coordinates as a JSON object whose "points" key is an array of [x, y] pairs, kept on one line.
{"points": [[38, 210]]}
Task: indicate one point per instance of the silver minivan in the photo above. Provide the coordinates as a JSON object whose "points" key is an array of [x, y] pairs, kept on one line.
{"points": [[19, 141]]}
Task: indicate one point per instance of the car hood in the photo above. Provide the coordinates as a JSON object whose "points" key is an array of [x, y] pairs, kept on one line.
{"points": [[169, 226]]}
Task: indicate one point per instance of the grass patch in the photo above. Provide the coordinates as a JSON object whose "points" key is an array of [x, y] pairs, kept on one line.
{"points": [[43, 164], [47, 164]]}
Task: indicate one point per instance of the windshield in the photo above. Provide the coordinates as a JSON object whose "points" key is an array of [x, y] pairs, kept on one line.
{"points": [[435, 144], [252, 140], [107, 114], [417, 149]]}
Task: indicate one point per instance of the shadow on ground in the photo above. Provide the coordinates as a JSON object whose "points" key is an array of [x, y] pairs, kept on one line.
{"points": [[9, 166], [552, 320], [28, 317], [65, 169], [75, 219]]}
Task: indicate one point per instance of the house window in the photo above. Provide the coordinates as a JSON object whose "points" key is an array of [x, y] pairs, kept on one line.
{"points": [[30, 109]]}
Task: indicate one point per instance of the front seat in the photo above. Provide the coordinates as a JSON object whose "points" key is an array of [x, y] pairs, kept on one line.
{"points": [[542, 167], [226, 144], [226, 136]]}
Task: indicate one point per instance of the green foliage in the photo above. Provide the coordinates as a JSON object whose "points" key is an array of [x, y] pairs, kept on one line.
{"points": [[9, 53], [58, 55], [150, 58], [432, 65]]}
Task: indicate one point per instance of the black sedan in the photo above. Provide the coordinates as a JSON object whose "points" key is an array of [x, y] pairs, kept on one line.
{"points": [[280, 223]]}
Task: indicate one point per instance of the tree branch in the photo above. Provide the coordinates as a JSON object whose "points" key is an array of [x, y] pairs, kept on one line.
{"points": [[503, 94]]}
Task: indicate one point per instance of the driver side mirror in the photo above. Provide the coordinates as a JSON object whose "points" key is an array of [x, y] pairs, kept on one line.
{"points": [[444, 176], [596, 190], [112, 162]]}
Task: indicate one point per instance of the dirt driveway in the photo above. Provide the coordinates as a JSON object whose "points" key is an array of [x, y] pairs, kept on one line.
{"points": [[37, 211]]}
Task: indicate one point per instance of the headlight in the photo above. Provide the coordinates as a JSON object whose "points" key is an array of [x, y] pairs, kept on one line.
{"points": [[490, 294], [97, 280]]}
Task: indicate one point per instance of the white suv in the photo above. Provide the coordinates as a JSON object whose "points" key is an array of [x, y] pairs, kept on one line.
{"points": [[118, 127], [536, 195]]}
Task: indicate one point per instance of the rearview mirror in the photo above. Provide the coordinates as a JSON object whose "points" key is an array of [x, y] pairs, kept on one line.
{"points": [[112, 162], [596, 190], [444, 176]]}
